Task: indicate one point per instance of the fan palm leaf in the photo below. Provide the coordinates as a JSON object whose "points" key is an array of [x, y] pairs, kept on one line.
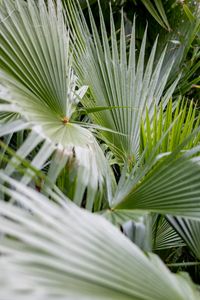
{"points": [[189, 230], [36, 68], [171, 186], [68, 252], [117, 77], [164, 235]]}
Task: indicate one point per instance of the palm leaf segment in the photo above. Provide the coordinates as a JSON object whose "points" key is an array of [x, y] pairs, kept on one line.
{"points": [[189, 230], [36, 66], [69, 253], [118, 78]]}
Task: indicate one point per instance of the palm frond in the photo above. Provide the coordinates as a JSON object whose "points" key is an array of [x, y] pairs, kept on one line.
{"points": [[164, 235], [36, 68], [167, 184], [117, 77], [182, 115], [189, 230], [69, 253]]}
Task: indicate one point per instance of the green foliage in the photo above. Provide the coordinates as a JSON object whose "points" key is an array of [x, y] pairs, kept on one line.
{"points": [[97, 111], [117, 78], [66, 251], [189, 231], [43, 90], [178, 122], [158, 12]]}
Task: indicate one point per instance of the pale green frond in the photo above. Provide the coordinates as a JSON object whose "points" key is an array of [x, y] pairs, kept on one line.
{"points": [[13, 126], [117, 78], [131, 175], [39, 160], [164, 236], [70, 253], [36, 68], [189, 230], [8, 112], [58, 160], [14, 285], [32, 141], [172, 187]]}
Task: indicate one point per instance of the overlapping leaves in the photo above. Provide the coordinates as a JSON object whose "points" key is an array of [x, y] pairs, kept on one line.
{"points": [[36, 67], [118, 77], [67, 252]]}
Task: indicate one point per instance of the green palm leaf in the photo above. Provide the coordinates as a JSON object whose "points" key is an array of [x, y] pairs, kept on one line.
{"points": [[157, 10], [69, 253], [36, 67], [180, 117], [117, 77], [164, 235], [172, 186], [189, 230]]}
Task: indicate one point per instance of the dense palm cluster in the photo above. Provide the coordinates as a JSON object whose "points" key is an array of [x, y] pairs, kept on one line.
{"points": [[99, 149]]}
